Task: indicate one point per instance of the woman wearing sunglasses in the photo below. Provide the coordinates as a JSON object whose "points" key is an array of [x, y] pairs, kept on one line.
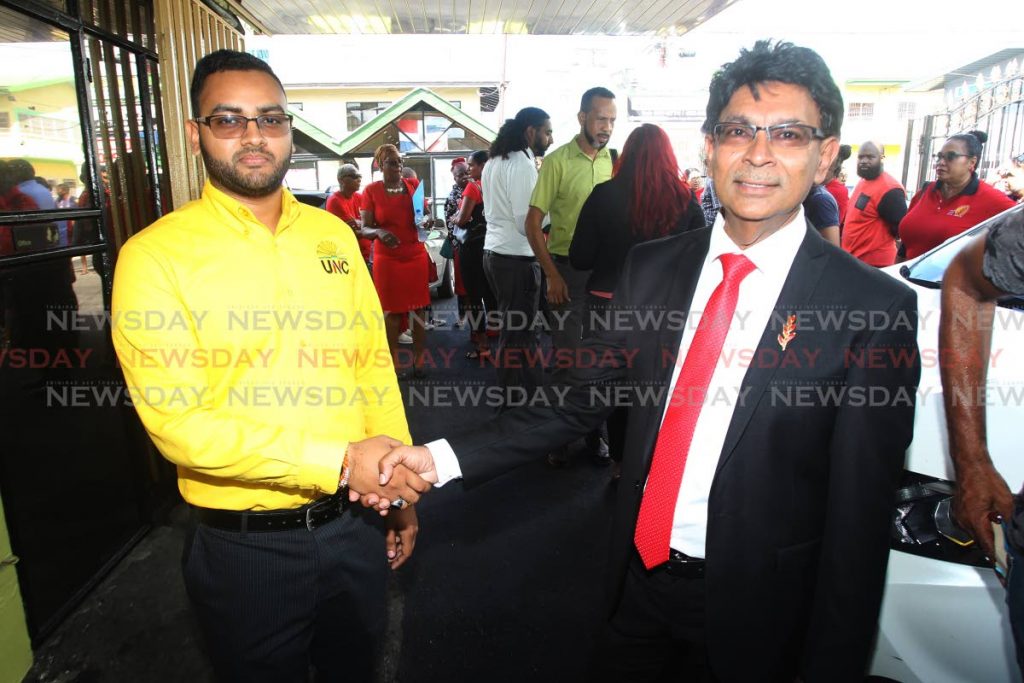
{"points": [[956, 201]]}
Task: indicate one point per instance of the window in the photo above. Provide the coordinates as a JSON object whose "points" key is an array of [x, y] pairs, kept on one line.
{"points": [[5, 120], [456, 103], [361, 112], [297, 106], [488, 99], [861, 110], [907, 110]]}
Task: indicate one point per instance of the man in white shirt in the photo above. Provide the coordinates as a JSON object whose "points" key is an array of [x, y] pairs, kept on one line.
{"points": [[752, 517], [509, 263]]}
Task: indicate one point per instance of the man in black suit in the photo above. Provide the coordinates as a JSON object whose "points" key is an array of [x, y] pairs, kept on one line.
{"points": [[752, 516]]}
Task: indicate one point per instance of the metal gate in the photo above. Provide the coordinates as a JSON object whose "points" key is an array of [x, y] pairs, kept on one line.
{"points": [[998, 109]]}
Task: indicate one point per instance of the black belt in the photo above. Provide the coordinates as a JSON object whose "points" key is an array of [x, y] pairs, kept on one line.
{"points": [[514, 257], [558, 258], [309, 516], [682, 565]]}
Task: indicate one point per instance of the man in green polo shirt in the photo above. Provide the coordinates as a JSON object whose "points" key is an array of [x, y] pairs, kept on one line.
{"points": [[566, 178]]}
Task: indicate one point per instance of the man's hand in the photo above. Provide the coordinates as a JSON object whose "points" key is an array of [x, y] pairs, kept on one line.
{"points": [[363, 457], [981, 491], [558, 291], [403, 526], [416, 458]]}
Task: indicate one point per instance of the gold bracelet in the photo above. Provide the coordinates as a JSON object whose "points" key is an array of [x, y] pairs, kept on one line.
{"points": [[346, 472]]}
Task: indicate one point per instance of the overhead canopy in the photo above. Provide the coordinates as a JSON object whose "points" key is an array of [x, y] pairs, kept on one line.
{"points": [[422, 122], [557, 17]]}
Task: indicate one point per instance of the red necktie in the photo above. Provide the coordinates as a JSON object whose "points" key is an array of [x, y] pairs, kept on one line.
{"points": [[657, 509]]}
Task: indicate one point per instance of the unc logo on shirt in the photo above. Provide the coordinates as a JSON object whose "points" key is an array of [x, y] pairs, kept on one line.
{"points": [[330, 260], [960, 211]]}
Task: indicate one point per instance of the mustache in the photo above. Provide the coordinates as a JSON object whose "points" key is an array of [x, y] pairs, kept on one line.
{"points": [[253, 150]]}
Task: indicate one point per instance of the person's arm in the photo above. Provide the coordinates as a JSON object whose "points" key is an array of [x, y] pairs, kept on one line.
{"points": [[587, 240], [523, 434], [371, 231], [465, 213], [892, 207], [541, 199], [864, 465], [194, 432], [558, 290], [968, 307]]}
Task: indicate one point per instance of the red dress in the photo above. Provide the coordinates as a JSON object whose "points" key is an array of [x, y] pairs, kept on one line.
{"points": [[399, 274]]}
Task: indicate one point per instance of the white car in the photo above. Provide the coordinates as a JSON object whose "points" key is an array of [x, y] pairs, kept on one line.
{"points": [[944, 619]]}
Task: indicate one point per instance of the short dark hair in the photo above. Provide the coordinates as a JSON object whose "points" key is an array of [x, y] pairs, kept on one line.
{"points": [[480, 157], [225, 60], [782, 62], [587, 101], [512, 134]]}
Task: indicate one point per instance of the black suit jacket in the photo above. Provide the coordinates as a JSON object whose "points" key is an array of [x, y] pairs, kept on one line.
{"points": [[801, 501]]}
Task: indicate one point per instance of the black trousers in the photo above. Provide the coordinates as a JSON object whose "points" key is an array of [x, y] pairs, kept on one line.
{"points": [[515, 283], [273, 604], [657, 632], [480, 301]]}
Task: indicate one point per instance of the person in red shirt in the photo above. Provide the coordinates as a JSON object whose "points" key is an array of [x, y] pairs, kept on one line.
{"points": [[956, 201], [879, 204], [480, 301], [399, 258], [835, 187], [346, 203]]}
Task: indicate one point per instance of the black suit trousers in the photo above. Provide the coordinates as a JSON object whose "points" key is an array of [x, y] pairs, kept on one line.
{"points": [[273, 604], [657, 632]]}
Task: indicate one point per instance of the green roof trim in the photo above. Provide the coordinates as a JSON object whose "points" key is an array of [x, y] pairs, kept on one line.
{"points": [[392, 113], [319, 135]]}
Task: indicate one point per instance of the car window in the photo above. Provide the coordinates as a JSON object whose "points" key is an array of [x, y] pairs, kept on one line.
{"points": [[928, 270]]}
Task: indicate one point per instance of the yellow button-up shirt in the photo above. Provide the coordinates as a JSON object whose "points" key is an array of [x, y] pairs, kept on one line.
{"points": [[253, 358]]}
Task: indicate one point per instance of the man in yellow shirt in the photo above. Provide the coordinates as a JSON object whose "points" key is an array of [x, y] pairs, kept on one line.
{"points": [[252, 343]]}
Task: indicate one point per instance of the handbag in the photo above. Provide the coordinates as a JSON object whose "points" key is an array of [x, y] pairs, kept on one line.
{"points": [[431, 269], [447, 249]]}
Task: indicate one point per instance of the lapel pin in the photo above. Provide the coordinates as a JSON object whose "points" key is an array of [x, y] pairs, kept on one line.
{"points": [[788, 332]]}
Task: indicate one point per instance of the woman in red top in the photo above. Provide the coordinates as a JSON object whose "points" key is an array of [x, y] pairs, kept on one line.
{"points": [[399, 258], [480, 300], [956, 201]]}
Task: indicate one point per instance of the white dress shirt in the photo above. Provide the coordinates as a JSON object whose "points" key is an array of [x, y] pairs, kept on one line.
{"points": [[759, 292], [507, 185]]}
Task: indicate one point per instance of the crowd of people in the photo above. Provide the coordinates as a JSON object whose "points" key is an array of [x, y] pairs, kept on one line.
{"points": [[751, 533]]}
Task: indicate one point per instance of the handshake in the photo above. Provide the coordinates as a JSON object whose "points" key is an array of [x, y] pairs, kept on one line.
{"points": [[385, 473]]}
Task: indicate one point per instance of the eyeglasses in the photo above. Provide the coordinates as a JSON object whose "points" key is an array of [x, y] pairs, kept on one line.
{"points": [[234, 125], [948, 157], [784, 135]]}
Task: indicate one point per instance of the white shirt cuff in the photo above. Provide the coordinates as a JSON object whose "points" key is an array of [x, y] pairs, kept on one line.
{"points": [[445, 463]]}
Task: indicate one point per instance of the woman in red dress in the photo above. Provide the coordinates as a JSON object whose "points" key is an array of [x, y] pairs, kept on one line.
{"points": [[399, 270]]}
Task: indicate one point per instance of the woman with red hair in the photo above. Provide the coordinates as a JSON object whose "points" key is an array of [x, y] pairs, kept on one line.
{"points": [[645, 199]]}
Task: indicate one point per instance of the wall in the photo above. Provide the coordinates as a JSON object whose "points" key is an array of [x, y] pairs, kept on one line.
{"points": [[15, 650]]}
